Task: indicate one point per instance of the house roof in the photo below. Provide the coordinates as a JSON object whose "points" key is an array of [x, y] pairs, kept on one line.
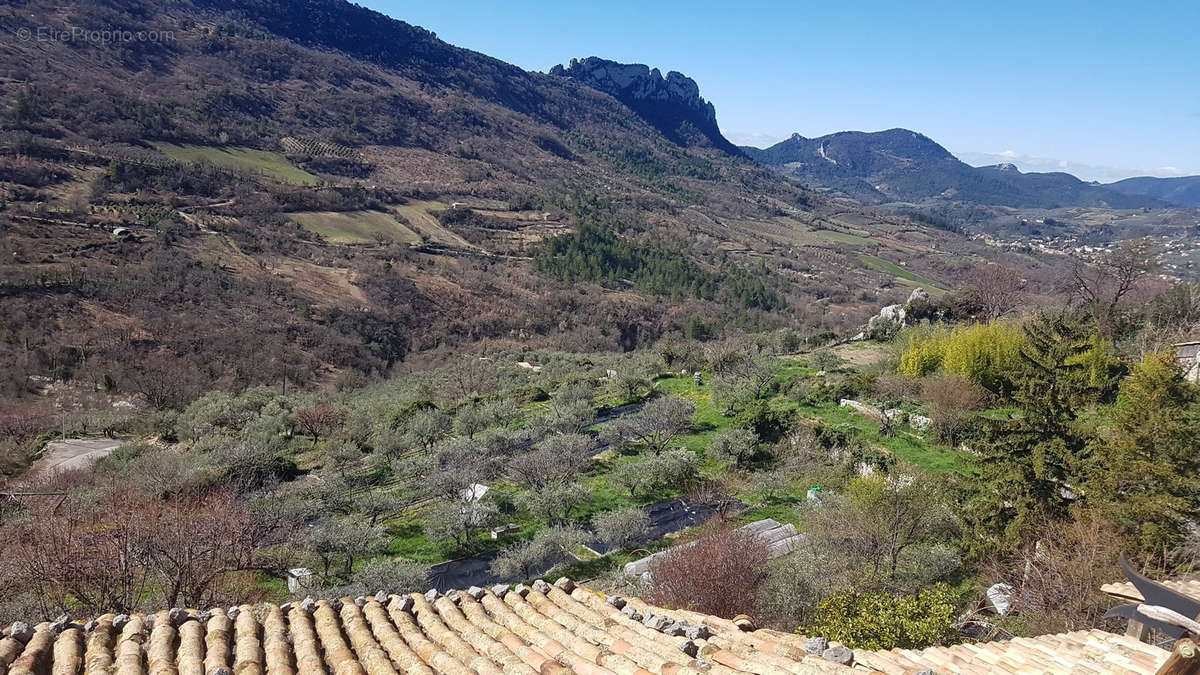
{"points": [[1187, 351], [543, 630], [1125, 590], [1084, 651]]}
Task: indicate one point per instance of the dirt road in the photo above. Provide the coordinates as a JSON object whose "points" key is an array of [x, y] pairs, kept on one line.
{"points": [[73, 453]]}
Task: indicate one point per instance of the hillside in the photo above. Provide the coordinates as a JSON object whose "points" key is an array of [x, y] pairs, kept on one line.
{"points": [[899, 165], [309, 192], [1182, 191]]}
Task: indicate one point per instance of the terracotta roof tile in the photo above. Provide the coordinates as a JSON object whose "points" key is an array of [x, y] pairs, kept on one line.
{"points": [[543, 630], [1091, 651]]}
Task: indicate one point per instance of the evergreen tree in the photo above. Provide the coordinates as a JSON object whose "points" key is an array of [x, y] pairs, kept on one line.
{"points": [[1030, 464], [1145, 477]]}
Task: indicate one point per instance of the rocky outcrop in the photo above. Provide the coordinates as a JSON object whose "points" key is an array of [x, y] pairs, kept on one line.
{"points": [[892, 318], [672, 104]]}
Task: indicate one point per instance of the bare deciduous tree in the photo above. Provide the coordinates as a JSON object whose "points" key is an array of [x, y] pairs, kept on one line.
{"points": [[319, 420], [995, 289], [110, 555], [1057, 575], [1102, 285], [194, 542]]}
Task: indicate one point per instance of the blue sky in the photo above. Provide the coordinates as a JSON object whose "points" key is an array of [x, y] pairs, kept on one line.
{"points": [[1102, 89]]}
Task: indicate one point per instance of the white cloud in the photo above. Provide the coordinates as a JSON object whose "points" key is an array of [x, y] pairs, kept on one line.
{"points": [[754, 138]]}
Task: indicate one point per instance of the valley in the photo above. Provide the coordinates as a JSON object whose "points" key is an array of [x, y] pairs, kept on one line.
{"points": [[312, 315]]}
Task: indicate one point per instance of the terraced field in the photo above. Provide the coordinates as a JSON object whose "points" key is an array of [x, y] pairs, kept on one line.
{"points": [[903, 275], [268, 163], [355, 227], [423, 222]]}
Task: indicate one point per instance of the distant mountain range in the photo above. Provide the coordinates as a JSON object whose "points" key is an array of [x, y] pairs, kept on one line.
{"points": [[1184, 191], [899, 165]]}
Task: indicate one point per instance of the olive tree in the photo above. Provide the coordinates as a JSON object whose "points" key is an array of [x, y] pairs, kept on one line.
{"points": [[347, 538], [555, 460], [672, 468], [537, 555], [654, 426], [376, 504], [554, 502], [392, 576], [426, 427], [458, 521], [622, 528], [736, 445]]}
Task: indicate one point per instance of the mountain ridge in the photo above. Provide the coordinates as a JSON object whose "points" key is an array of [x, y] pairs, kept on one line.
{"points": [[1180, 190], [900, 165]]}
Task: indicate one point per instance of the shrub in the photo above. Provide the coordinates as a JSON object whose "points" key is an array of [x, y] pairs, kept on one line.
{"points": [[925, 352], [717, 573], [825, 359], [982, 353], [879, 620], [767, 423], [951, 399]]}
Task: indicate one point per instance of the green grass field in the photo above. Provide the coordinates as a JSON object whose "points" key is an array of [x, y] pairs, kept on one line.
{"points": [[421, 215], [355, 227], [881, 265], [268, 163], [906, 445]]}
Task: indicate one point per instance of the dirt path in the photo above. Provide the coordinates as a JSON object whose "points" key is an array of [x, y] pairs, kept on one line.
{"points": [[73, 453]]}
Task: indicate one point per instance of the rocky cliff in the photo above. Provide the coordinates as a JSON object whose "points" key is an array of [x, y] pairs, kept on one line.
{"points": [[672, 104]]}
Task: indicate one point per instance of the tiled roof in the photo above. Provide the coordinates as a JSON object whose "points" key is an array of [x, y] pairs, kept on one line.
{"points": [[1126, 590], [546, 630], [1085, 651], [543, 630]]}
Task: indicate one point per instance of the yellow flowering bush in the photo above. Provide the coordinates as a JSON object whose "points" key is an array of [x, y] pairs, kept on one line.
{"points": [[878, 620]]}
